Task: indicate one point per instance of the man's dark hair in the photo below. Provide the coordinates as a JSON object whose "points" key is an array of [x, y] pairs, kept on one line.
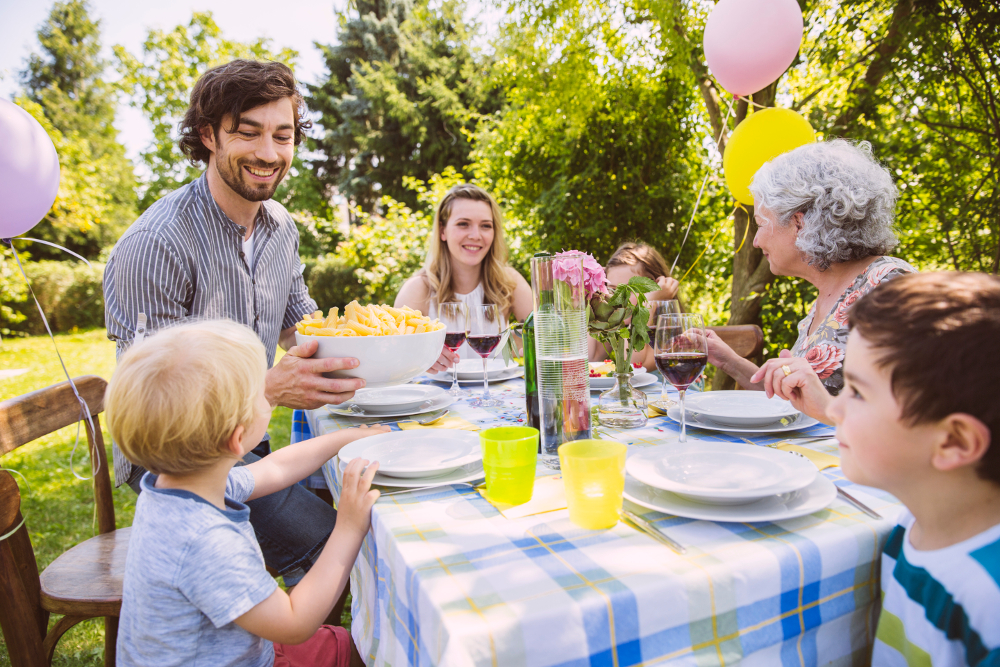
{"points": [[939, 336], [233, 88]]}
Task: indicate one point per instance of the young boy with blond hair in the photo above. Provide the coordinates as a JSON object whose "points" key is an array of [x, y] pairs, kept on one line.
{"points": [[917, 418], [187, 404]]}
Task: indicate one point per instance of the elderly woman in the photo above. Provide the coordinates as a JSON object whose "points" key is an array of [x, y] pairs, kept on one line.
{"points": [[825, 214]]}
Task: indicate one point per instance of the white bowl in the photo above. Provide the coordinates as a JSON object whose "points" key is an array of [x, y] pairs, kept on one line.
{"points": [[383, 360]]}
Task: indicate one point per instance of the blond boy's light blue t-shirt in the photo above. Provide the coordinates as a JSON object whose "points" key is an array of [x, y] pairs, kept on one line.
{"points": [[940, 608], [192, 569]]}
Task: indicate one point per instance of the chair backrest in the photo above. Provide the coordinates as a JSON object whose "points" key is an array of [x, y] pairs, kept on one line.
{"points": [[28, 417], [22, 420], [747, 340]]}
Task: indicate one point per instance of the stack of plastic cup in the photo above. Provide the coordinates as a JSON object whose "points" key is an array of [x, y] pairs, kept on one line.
{"points": [[594, 478], [509, 457]]}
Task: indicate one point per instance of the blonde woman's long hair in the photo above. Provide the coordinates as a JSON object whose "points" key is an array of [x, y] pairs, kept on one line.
{"points": [[498, 288]]}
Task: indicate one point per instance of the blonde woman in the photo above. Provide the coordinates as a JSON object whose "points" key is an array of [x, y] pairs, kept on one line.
{"points": [[466, 261]]}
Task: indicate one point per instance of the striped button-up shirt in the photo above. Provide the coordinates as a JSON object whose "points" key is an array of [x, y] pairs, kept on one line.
{"points": [[183, 259]]}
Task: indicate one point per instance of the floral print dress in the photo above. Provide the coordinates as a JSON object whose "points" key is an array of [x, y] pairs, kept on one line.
{"points": [[824, 349]]}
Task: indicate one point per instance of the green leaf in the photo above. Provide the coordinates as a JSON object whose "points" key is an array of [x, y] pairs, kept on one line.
{"points": [[642, 284]]}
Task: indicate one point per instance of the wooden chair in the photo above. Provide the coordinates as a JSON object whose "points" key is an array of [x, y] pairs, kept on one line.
{"points": [[747, 340], [84, 582]]}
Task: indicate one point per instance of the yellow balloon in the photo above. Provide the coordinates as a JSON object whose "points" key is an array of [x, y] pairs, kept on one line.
{"points": [[761, 137]]}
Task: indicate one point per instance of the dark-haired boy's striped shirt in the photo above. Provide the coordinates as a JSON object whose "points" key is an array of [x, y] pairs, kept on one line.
{"points": [[940, 608], [183, 259]]}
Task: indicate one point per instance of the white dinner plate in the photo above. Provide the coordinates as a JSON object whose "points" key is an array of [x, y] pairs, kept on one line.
{"points": [[508, 373], [467, 473], [400, 398], [426, 452], [442, 401], [739, 408], [813, 498], [472, 369], [721, 473], [795, 423], [641, 379]]}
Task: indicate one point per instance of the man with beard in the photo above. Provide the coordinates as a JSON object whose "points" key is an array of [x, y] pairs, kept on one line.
{"points": [[220, 248]]}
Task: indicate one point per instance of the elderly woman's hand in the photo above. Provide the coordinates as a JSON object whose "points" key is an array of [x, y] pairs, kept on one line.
{"points": [[444, 362], [793, 379]]}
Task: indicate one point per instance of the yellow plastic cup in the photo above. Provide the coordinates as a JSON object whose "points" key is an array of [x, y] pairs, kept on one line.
{"points": [[594, 477], [509, 457]]}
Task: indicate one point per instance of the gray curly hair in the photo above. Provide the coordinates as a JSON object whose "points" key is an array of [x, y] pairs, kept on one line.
{"points": [[847, 200]]}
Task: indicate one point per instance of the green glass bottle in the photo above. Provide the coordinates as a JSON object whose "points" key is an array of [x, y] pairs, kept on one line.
{"points": [[530, 371]]}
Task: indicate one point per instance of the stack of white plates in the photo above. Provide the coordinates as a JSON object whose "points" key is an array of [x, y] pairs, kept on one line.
{"points": [[471, 371], [419, 458], [721, 481], [741, 412], [639, 379], [399, 401]]}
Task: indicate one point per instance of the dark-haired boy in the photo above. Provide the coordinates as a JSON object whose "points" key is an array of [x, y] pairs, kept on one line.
{"points": [[917, 418], [221, 248]]}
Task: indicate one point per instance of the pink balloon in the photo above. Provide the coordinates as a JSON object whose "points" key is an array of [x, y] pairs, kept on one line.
{"points": [[749, 43], [29, 171]]}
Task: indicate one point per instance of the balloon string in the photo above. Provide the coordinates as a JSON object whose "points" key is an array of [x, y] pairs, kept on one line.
{"points": [[746, 229], [697, 203], [749, 100], [55, 245], [18, 526], [84, 408], [707, 246]]}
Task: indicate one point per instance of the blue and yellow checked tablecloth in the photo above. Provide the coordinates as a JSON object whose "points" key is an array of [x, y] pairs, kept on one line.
{"points": [[444, 579]]}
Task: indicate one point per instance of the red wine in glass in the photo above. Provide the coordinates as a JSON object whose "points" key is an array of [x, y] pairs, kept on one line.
{"points": [[455, 316], [681, 368], [681, 352], [454, 340], [483, 345], [486, 329]]}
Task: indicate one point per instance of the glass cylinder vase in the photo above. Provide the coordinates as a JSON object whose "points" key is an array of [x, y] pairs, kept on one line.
{"points": [[622, 406], [560, 353]]}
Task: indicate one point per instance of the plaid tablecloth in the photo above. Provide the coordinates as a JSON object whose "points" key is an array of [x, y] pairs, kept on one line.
{"points": [[444, 579]]}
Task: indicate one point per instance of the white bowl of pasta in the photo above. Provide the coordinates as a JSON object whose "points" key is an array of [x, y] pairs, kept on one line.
{"points": [[385, 357]]}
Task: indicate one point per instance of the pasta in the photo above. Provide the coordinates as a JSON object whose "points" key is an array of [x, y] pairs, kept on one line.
{"points": [[370, 320]]}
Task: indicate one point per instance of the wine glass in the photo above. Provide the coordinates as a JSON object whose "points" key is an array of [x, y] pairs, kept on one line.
{"points": [[455, 317], [657, 308], [681, 353], [486, 330]]}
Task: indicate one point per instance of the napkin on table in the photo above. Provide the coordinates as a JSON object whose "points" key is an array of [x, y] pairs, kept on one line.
{"points": [[450, 421], [549, 495], [819, 459]]}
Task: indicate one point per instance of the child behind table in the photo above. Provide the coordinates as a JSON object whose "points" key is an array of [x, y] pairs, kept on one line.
{"points": [[186, 404], [917, 417]]}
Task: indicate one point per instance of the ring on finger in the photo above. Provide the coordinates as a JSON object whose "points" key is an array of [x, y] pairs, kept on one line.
{"points": [[786, 370]]}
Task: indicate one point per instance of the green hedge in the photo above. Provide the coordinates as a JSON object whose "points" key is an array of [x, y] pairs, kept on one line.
{"points": [[70, 294], [332, 282]]}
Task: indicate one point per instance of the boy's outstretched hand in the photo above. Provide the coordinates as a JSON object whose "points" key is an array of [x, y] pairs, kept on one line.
{"points": [[354, 510]]}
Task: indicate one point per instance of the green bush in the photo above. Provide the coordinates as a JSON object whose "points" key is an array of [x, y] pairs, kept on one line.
{"points": [[70, 294], [332, 282], [12, 291]]}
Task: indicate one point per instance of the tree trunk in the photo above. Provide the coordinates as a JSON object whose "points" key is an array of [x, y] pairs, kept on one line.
{"points": [[751, 272]]}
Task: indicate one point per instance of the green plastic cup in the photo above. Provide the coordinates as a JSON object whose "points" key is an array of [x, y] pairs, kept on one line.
{"points": [[509, 457]]}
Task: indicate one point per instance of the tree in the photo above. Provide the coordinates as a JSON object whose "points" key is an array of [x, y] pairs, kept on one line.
{"points": [[160, 83], [595, 144], [67, 94], [404, 93]]}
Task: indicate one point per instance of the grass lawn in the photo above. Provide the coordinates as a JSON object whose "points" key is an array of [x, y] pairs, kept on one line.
{"points": [[58, 507]]}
